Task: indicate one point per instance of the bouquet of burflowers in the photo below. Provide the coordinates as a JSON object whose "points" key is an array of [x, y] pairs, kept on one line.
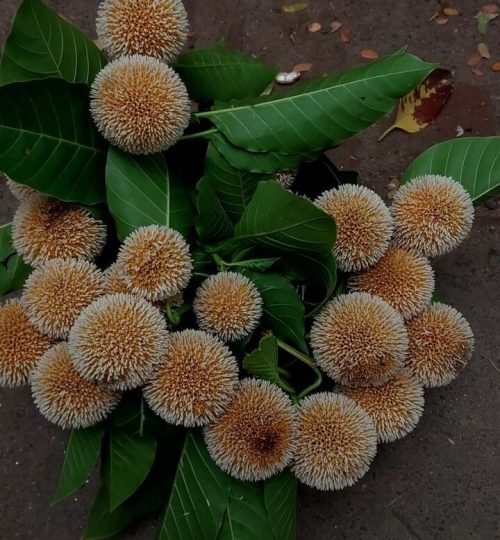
{"points": [[208, 304]]}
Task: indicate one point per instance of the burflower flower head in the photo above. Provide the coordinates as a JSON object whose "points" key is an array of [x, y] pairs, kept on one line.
{"points": [[395, 406], [64, 397], [150, 27], [364, 225], [359, 340], [432, 215], [254, 438], [140, 104], [195, 381], [20, 191], [44, 228], [118, 340], [440, 345], [155, 261], [229, 305], [57, 291], [335, 443], [403, 279], [21, 345]]}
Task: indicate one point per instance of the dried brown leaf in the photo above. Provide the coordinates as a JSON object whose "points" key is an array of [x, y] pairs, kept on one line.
{"points": [[314, 27], [346, 35], [369, 54], [335, 25], [302, 67], [484, 51], [474, 58], [495, 66], [491, 9], [441, 20], [477, 71]]}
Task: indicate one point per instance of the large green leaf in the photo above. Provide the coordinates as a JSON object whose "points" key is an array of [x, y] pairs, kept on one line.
{"points": [[134, 417], [129, 462], [212, 222], [280, 221], [472, 161], [82, 451], [280, 494], [322, 113], [13, 274], [6, 247], [283, 312], [218, 73], [141, 191], [48, 140], [41, 44]]}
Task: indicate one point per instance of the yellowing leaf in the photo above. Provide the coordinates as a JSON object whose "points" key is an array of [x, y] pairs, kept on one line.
{"points": [[484, 51], [293, 8], [451, 11], [419, 108]]}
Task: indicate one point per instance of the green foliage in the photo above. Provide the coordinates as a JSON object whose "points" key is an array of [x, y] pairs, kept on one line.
{"points": [[48, 140], [41, 44], [82, 451], [142, 191], [217, 73], [6, 247], [13, 270], [472, 161], [212, 222], [280, 496]]}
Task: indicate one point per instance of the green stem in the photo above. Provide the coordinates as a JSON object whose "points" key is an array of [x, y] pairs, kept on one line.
{"points": [[221, 264], [198, 134]]}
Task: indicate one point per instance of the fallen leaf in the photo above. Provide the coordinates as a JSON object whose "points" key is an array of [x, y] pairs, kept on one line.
{"points": [[483, 19], [441, 20], [484, 51], [293, 8], [491, 9], [314, 27], [346, 36], [420, 108], [495, 66], [451, 11], [369, 54], [459, 130], [335, 25], [477, 71], [474, 58], [287, 77], [302, 67]]}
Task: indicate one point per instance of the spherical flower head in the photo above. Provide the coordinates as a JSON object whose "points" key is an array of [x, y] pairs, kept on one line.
{"points": [[286, 177], [403, 279], [395, 407], [44, 228], [118, 340], [195, 381], [229, 305], [432, 215], [359, 340], [364, 225], [155, 28], [140, 104], [20, 191], [254, 438], [64, 397], [156, 262], [57, 291], [21, 345], [441, 343], [335, 443]]}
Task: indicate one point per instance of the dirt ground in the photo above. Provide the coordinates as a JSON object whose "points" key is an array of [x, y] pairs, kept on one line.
{"points": [[442, 480]]}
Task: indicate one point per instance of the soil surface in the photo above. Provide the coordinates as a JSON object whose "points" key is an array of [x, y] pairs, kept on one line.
{"points": [[442, 480]]}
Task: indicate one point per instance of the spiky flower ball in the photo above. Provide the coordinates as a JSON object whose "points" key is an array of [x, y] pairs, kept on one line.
{"points": [[335, 443], [195, 380], [20, 191], [64, 397], [140, 104], [254, 438], [395, 406], [57, 291], [432, 215], [359, 340], [118, 340], [440, 345], [364, 225], [155, 28], [286, 177], [229, 305], [403, 279], [156, 262], [21, 345], [44, 228]]}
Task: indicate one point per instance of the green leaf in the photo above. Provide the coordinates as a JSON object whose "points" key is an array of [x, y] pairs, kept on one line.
{"points": [[472, 161], [82, 451], [280, 494], [141, 191], [13, 274], [6, 248], [283, 312], [217, 73], [41, 44], [258, 264], [322, 113], [134, 417], [48, 140], [212, 222], [129, 462], [280, 221], [199, 496]]}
